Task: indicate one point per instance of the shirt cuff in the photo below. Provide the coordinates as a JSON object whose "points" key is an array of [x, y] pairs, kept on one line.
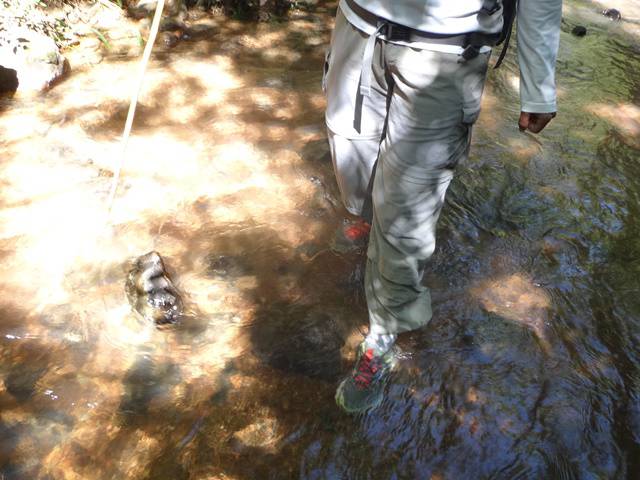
{"points": [[539, 107]]}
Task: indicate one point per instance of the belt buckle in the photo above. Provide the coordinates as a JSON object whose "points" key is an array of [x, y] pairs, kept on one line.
{"points": [[470, 52], [398, 32]]}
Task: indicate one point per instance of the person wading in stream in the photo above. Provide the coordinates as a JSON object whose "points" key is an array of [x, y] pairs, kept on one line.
{"points": [[404, 79]]}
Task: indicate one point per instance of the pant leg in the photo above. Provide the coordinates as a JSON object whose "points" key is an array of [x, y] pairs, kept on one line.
{"points": [[433, 104], [354, 123]]}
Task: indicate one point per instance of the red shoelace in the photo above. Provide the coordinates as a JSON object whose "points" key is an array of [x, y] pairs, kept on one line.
{"points": [[366, 370]]}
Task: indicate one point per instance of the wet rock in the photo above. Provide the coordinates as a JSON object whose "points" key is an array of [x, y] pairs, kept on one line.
{"points": [[517, 299], [150, 291], [34, 57], [8, 80], [612, 14], [262, 434], [579, 31], [171, 38]]}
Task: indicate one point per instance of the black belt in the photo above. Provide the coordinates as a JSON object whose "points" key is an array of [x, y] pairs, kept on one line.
{"points": [[471, 42]]}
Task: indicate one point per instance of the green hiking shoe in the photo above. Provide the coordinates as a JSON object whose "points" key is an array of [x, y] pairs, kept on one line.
{"points": [[351, 235], [364, 388]]}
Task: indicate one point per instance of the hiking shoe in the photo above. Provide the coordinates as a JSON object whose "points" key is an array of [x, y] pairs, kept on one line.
{"points": [[351, 235], [364, 388]]}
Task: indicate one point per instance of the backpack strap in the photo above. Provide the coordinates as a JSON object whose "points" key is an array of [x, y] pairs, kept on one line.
{"points": [[510, 8]]}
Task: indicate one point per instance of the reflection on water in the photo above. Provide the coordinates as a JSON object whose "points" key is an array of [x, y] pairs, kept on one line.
{"points": [[529, 369]]}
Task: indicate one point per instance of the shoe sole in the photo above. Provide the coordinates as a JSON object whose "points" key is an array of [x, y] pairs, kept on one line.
{"points": [[375, 404]]}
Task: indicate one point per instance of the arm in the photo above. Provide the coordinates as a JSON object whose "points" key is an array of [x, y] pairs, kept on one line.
{"points": [[538, 39]]}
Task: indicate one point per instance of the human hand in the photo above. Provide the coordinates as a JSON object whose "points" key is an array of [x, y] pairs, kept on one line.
{"points": [[534, 122]]}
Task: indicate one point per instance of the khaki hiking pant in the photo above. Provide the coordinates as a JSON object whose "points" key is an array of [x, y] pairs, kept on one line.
{"points": [[397, 149]]}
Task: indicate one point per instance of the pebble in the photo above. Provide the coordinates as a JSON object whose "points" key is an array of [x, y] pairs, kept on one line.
{"points": [[579, 31]]}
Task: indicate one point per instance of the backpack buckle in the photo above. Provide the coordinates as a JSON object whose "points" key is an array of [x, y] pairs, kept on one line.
{"points": [[470, 52], [397, 32]]}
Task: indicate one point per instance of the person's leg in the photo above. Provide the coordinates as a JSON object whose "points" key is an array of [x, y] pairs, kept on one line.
{"points": [[435, 99], [354, 123]]}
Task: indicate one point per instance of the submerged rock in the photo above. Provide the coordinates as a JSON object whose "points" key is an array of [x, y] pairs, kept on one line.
{"points": [[579, 31], [171, 39], [262, 434], [150, 291]]}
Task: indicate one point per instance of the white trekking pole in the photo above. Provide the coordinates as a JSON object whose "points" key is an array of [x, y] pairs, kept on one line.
{"points": [[155, 25]]}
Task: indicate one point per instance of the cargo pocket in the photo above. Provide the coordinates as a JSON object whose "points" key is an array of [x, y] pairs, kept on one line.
{"points": [[472, 86], [470, 113]]}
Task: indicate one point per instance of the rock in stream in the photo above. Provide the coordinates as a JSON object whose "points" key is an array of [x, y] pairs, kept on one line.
{"points": [[151, 292], [34, 57]]}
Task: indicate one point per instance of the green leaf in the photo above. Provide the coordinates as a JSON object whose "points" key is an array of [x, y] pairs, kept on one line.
{"points": [[102, 38]]}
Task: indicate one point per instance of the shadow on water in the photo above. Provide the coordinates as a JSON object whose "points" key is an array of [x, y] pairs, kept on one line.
{"points": [[28, 409]]}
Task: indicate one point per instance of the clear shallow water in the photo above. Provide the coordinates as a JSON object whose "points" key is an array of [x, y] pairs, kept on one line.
{"points": [[529, 368]]}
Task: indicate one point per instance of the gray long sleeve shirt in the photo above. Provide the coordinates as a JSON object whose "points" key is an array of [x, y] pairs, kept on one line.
{"points": [[538, 28]]}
